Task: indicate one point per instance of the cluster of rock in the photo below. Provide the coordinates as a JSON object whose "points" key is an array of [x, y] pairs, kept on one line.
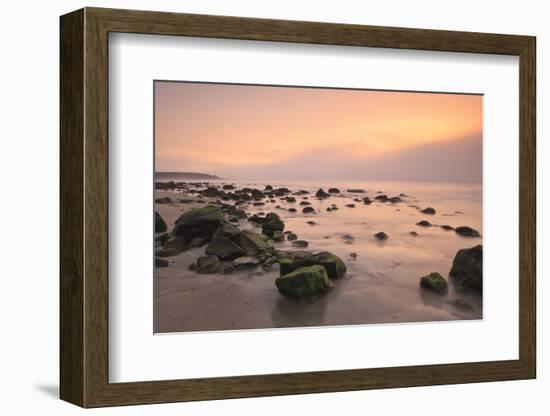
{"points": [[304, 275], [466, 272]]}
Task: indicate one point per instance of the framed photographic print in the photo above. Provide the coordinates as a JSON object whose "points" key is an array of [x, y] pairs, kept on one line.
{"points": [[255, 207]]}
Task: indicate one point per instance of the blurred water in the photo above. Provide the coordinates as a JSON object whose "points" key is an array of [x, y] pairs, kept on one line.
{"points": [[382, 282]]}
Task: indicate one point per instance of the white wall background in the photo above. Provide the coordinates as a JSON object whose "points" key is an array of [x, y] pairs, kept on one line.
{"points": [[29, 159]]}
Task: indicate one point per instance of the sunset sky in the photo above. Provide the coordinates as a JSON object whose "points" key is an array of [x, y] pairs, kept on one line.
{"points": [[263, 132]]}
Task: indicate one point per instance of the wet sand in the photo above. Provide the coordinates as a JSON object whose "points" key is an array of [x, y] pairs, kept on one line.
{"points": [[381, 285]]}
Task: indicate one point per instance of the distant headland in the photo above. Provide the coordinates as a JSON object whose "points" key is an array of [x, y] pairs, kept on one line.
{"points": [[184, 175]]}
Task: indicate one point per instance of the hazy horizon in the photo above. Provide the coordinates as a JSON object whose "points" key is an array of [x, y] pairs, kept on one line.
{"points": [[292, 133]]}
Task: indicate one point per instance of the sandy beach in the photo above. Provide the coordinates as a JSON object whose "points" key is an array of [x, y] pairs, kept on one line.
{"points": [[381, 283]]}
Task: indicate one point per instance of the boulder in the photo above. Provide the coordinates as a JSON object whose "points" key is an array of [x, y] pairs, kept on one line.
{"points": [[424, 223], [199, 222], [272, 223], [228, 187], [333, 264], [208, 264], [435, 282], [224, 248], [290, 199], [292, 210], [163, 200], [308, 210], [367, 201], [175, 242], [467, 268], [466, 231], [305, 283], [381, 198], [227, 230], [160, 224], [333, 190], [161, 262], [252, 243], [245, 262], [428, 210], [322, 194]]}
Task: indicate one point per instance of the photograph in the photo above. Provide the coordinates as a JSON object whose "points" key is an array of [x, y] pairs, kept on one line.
{"points": [[291, 206]]}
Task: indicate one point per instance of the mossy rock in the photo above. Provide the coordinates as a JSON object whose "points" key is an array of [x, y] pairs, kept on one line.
{"points": [[304, 283], [160, 224], [224, 248], [467, 268], [199, 222], [434, 281], [271, 224], [333, 264], [251, 242]]}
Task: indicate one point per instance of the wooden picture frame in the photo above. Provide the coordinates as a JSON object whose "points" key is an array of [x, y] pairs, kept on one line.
{"points": [[84, 207]]}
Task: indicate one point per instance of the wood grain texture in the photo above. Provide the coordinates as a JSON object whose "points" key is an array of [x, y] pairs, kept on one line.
{"points": [[71, 208], [84, 204]]}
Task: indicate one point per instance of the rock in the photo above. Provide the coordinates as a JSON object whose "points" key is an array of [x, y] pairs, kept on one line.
{"points": [[199, 222], [329, 209], [350, 205], [434, 281], [278, 236], [224, 248], [162, 238], [175, 242], [292, 210], [233, 219], [367, 201], [467, 268], [257, 219], [305, 203], [161, 262], [333, 264], [167, 252], [208, 264], [228, 268], [428, 210], [211, 192], [395, 200], [251, 242], [381, 236], [258, 204], [290, 199], [301, 192], [356, 191], [381, 198], [271, 224], [348, 237], [467, 231], [334, 207], [424, 223], [291, 237], [333, 190], [308, 210], [227, 230], [160, 224], [311, 223], [322, 194], [353, 256], [245, 262], [268, 188], [305, 283], [300, 243], [413, 233], [192, 267], [228, 187], [447, 227], [163, 200]]}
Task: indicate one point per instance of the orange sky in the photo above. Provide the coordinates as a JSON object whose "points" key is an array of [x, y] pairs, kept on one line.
{"points": [[217, 128]]}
